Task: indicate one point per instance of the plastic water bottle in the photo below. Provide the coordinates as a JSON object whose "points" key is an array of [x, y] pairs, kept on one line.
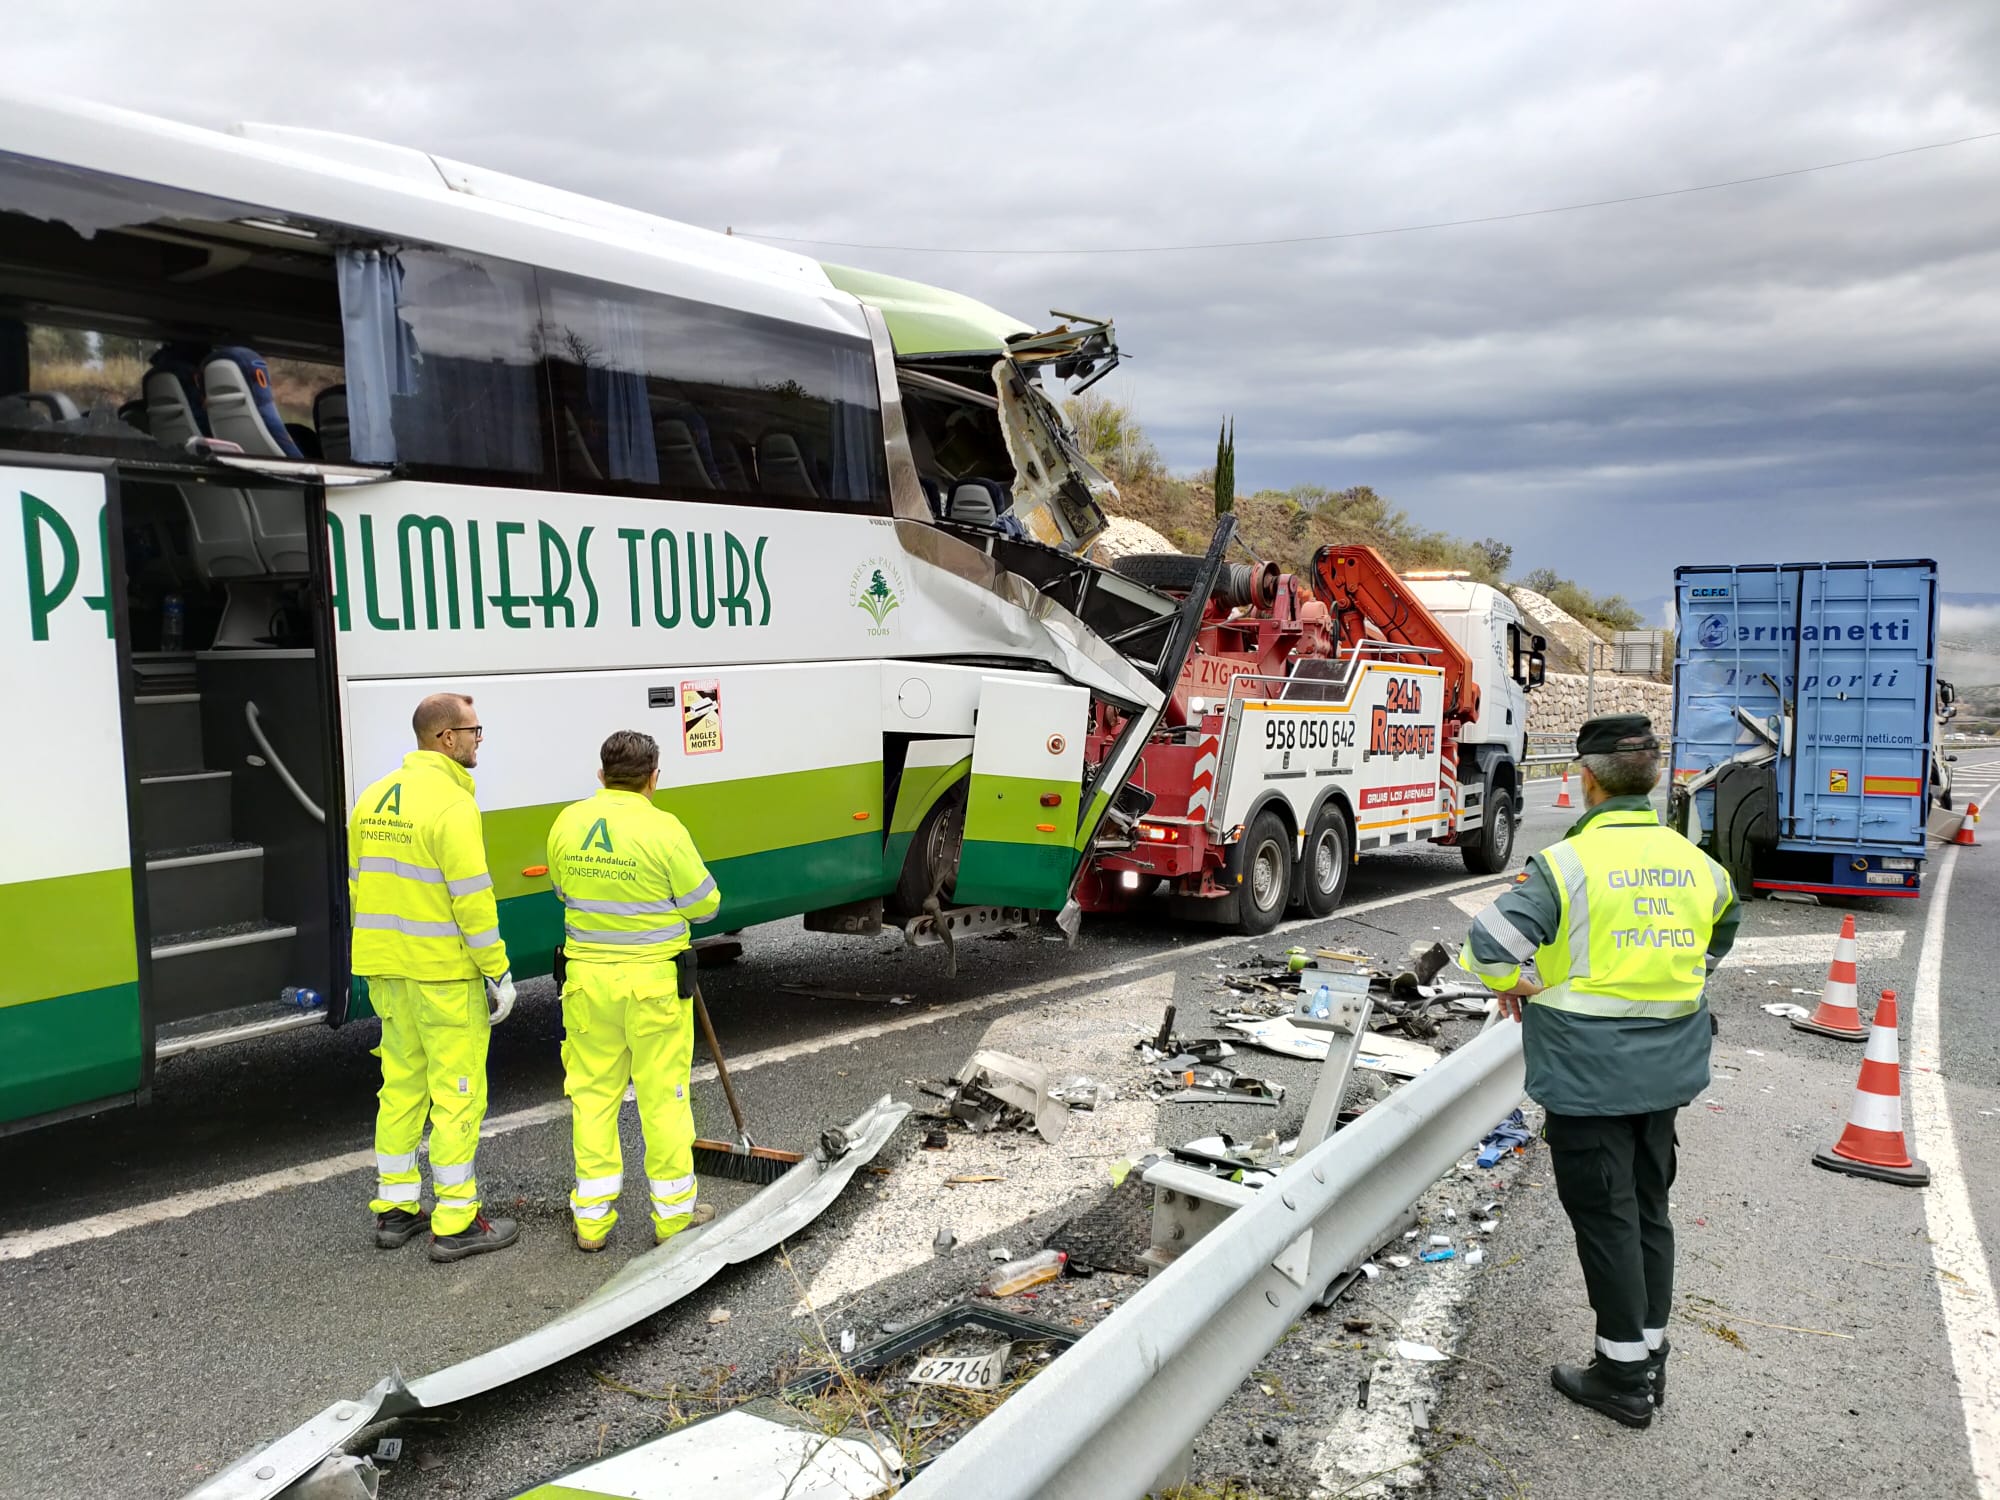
{"points": [[300, 998], [173, 622], [1323, 1002]]}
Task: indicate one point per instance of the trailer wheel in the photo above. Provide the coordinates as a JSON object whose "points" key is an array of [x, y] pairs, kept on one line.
{"points": [[1160, 570], [1322, 873], [1493, 846], [1266, 871]]}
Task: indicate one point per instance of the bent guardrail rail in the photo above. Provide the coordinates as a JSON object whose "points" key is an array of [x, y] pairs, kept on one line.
{"points": [[645, 1285], [1105, 1420]]}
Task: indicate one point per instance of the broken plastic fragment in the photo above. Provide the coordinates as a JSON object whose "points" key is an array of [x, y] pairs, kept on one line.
{"points": [[1372, 1271], [1434, 1256], [1428, 1353], [1475, 1255]]}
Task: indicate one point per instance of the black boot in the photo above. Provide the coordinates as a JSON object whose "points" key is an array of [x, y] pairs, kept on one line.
{"points": [[477, 1238], [1616, 1387], [1656, 1365], [398, 1227]]}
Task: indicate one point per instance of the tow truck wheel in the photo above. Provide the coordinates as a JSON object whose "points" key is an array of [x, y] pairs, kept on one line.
{"points": [[1267, 874], [1322, 875], [1493, 845]]}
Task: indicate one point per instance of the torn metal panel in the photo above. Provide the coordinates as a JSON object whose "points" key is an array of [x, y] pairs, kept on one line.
{"points": [[1049, 629], [1019, 1084], [647, 1283], [1059, 495], [756, 1451]]}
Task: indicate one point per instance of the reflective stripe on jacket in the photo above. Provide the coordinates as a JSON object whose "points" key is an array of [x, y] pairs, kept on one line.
{"points": [[1638, 905], [629, 878], [417, 881]]}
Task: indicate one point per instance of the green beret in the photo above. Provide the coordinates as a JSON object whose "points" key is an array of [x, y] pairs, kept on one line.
{"points": [[1612, 734]]}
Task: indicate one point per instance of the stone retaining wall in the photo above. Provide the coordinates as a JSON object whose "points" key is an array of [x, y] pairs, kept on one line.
{"points": [[1557, 706]]}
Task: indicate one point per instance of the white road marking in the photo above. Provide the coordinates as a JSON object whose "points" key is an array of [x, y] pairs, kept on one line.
{"points": [[1965, 1287], [25, 1243], [897, 1229], [1473, 902], [1815, 949]]}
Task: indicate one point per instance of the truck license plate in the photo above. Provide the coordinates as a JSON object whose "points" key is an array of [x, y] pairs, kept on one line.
{"points": [[1878, 879]]}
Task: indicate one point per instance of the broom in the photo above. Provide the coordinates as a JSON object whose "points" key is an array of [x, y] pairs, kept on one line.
{"points": [[745, 1160]]}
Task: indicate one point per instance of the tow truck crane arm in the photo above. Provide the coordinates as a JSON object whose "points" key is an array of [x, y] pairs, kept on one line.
{"points": [[1370, 603]]}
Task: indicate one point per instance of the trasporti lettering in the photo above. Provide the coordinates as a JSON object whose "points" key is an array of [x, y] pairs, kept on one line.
{"points": [[472, 572]]}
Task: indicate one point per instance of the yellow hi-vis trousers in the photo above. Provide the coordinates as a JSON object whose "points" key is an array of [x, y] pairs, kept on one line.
{"points": [[626, 1022], [434, 1036]]}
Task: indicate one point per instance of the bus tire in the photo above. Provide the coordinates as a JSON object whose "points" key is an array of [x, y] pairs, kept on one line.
{"points": [[1266, 870], [1329, 853], [1493, 845], [932, 861]]}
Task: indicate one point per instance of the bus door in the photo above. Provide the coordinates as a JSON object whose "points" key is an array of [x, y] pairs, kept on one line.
{"points": [[74, 1032]]}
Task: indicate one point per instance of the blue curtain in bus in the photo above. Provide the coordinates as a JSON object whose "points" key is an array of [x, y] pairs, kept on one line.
{"points": [[857, 433], [616, 390], [381, 351]]}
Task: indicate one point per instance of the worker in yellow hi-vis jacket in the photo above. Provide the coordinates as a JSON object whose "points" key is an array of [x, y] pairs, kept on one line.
{"points": [[426, 932], [631, 884]]}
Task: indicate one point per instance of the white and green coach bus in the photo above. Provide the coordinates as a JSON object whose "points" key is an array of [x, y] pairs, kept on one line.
{"points": [[296, 428]]}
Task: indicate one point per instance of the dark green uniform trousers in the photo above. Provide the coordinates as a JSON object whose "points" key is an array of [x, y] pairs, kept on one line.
{"points": [[1612, 1174]]}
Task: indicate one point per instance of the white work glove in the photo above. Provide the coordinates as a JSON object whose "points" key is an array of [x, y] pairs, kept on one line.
{"points": [[500, 998]]}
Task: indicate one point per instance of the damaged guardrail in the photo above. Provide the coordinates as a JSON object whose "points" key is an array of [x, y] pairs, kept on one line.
{"points": [[1120, 1408], [646, 1284]]}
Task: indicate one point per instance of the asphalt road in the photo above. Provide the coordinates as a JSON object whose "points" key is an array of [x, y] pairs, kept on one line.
{"points": [[230, 1287]]}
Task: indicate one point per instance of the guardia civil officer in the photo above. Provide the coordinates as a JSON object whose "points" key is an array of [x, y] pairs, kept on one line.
{"points": [[631, 883], [1622, 921], [426, 933]]}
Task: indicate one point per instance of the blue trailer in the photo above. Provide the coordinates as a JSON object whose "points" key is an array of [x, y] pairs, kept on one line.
{"points": [[1804, 709]]}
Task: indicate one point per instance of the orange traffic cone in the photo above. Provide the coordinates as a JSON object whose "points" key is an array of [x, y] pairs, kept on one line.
{"points": [[1967, 836], [1562, 794], [1837, 1015], [1872, 1145]]}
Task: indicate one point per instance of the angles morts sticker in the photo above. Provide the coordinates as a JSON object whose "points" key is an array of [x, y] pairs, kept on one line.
{"points": [[701, 717]]}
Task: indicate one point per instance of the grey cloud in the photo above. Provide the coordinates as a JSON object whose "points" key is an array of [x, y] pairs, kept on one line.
{"points": [[1800, 368]]}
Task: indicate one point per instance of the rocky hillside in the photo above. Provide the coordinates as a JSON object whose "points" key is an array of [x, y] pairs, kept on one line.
{"points": [[1158, 510]]}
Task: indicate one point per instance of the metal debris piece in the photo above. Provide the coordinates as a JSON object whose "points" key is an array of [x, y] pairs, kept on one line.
{"points": [[1232, 1089], [936, 1140], [650, 1281], [992, 1083], [866, 997]]}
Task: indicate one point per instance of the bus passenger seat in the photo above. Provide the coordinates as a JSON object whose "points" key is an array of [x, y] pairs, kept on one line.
{"points": [[731, 473], [241, 409], [330, 421], [36, 409], [680, 456], [218, 517], [781, 467], [975, 502]]}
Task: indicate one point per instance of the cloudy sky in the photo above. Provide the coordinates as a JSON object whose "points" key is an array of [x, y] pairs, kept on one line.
{"points": [[1803, 368]]}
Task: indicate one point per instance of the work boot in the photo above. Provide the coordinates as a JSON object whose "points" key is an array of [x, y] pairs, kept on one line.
{"points": [[477, 1238], [703, 1213], [591, 1246], [1616, 1387], [1656, 1371], [398, 1227]]}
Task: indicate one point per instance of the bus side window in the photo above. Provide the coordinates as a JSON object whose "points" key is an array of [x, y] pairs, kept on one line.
{"points": [[444, 364], [666, 397]]}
